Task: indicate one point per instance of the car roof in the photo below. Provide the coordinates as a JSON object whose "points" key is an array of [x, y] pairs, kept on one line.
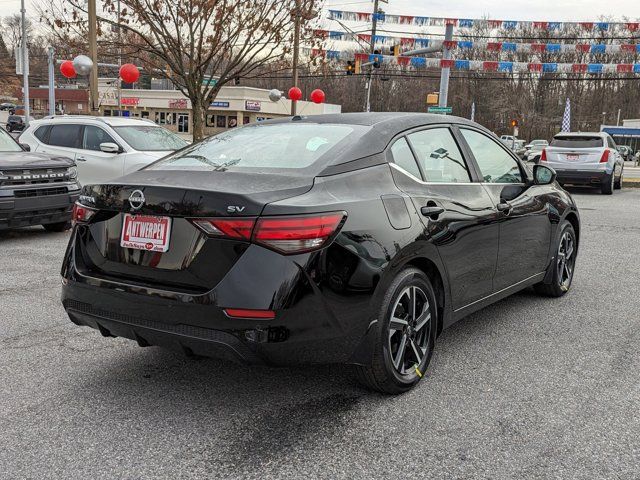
{"points": [[382, 128], [581, 134], [112, 121]]}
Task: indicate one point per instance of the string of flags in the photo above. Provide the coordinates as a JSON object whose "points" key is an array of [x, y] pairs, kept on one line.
{"points": [[419, 21], [498, 66], [415, 42]]}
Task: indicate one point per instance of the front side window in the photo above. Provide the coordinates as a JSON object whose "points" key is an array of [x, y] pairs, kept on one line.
{"points": [[265, 147], [403, 157], [66, 136], [94, 136], [150, 138], [439, 156], [496, 165]]}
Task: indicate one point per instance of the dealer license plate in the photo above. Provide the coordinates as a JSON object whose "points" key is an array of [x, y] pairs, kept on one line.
{"points": [[145, 232]]}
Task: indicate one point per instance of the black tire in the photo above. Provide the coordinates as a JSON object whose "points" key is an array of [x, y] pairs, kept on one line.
{"points": [[560, 286], [383, 375], [607, 186], [57, 227], [9, 128], [618, 183]]}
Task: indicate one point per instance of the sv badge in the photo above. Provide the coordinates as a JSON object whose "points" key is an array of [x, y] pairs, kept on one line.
{"points": [[235, 209]]}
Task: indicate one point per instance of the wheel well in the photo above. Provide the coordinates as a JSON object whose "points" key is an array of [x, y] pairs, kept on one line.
{"points": [[431, 271], [572, 218]]}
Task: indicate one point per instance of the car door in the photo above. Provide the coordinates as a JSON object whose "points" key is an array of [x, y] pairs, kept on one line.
{"points": [[64, 139], [523, 213], [94, 165], [457, 213]]}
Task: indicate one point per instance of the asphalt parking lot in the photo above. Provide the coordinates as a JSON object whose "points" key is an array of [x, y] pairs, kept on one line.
{"points": [[528, 388]]}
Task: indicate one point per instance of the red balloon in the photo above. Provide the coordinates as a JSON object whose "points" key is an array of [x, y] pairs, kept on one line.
{"points": [[295, 93], [317, 96], [66, 69], [129, 73]]}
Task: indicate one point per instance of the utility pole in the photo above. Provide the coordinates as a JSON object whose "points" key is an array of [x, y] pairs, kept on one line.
{"points": [[444, 73], [93, 54], [119, 63], [374, 26], [296, 51], [52, 82], [25, 65]]}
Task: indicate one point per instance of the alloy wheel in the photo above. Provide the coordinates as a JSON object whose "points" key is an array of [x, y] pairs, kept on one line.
{"points": [[409, 330], [566, 260]]}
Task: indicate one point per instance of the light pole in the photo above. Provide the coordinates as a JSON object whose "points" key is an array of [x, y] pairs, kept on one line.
{"points": [[93, 54], [25, 64], [298, 14]]}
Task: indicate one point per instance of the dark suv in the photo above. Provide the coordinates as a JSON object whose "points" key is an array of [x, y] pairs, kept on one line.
{"points": [[35, 188]]}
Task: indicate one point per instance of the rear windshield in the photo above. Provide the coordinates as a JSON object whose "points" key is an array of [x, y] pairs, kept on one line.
{"points": [[149, 138], [577, 142], [261, 147]]}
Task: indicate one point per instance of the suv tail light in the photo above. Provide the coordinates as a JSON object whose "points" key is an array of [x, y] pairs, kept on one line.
{"points": [[605, 156], [81, 213], [287, 234], [543, 155]]}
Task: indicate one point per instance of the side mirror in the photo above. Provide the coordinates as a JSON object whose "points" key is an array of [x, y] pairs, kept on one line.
{"points": [[25, 147], [110, 147], [543, 175]]}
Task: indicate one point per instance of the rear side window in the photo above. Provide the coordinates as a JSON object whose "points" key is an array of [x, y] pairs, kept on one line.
{"points": [[66, 136], [496, 165], [41, 133], [94, 136], [403, 157], [581, 141], [439, 156]]}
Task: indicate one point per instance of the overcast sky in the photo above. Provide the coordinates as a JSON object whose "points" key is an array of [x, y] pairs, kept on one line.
{"points": [[561, 10]]}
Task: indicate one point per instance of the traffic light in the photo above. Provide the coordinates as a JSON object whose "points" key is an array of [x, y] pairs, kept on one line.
{"points": [[514, 123], [376, 62], [350, 67], [395, 50]]}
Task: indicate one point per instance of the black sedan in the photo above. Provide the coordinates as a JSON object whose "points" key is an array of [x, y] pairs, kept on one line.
{"points": [[352, 238]]}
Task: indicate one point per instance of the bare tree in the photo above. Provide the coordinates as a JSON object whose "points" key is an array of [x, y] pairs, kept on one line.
{"points": [[200, 44]]}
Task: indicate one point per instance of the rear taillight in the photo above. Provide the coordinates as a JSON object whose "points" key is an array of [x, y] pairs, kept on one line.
{"points": [[285, 234], [605, 157], [239, 228], [249, 313], [81, 213], [543, 155], [297, 234]]}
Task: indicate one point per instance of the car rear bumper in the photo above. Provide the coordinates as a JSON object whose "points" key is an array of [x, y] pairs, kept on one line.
{"points": [[582, 177], [310, 328], [18, 212]]}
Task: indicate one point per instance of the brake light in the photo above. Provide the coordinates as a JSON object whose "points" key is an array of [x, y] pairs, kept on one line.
{"points": [[289, 234], [543, 155], [238, 228], [605, 156], [247, 313], [81, 213]]}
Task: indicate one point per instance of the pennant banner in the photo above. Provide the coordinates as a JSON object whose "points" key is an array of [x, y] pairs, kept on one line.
{"points": [[480, 65], [469, 22], [415, 43]]}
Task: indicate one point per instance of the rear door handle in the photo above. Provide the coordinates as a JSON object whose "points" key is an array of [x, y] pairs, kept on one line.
{"points": [[432, 212], [81, 159], [504, 207]]}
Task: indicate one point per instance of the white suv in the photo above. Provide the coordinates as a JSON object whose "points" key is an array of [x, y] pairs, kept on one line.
{"points": [[103, 148]]}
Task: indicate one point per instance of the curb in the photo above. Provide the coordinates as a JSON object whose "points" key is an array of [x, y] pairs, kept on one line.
{"points": [[631, 182]]}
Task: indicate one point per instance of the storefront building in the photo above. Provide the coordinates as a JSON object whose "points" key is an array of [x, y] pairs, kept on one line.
{"points": [[626, 134], [72, 101], [232, 107]]}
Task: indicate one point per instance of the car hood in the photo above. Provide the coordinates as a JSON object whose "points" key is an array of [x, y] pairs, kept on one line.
{"points": [[28, 160]]}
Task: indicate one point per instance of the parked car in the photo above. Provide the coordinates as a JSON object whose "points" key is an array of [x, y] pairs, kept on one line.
{"points": [[16, 109], [626, 152], [350, 238], [35, 188], [103, 147], [7, 106], [583, 158], [534, 149], [16, 123]]}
